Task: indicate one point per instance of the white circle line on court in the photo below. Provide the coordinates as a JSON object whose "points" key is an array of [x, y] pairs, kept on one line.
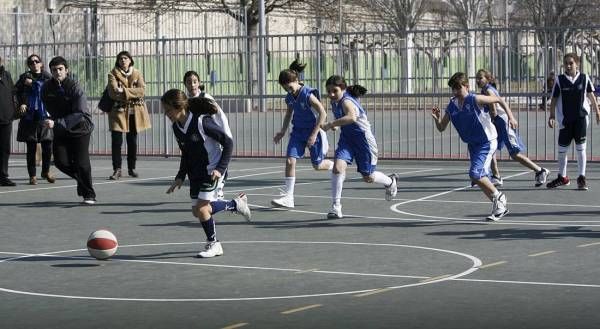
{"points": [[476, 262]]}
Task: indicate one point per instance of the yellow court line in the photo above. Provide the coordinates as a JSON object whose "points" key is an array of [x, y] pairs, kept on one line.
{"points": [[492, 264], [237, 325], [588, 244], [377, 291], [299, 309], [435, 278], [542, 253]]}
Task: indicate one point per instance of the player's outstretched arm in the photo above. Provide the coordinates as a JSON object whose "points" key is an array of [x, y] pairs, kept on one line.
{"points": [[441, 122]]}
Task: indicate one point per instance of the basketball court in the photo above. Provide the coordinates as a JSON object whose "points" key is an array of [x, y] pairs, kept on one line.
{"points": [[428, 259]]}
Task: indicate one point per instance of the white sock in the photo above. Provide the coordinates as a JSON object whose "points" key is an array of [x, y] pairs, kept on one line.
{"points": [[581, 158], [337, 183], [562, 160], [289, 185], [381, 178]]}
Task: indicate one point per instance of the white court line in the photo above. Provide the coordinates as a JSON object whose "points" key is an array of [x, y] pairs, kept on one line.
{"points": [[476, 262]]}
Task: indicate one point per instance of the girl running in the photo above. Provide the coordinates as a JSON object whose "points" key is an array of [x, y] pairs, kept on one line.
{"points": [[356, 142], [206, 148], [307, 115]]}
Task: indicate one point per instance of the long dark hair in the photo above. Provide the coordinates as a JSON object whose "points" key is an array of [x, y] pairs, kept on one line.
{"points": [[355, 90], [292, 73], [193, 74]]}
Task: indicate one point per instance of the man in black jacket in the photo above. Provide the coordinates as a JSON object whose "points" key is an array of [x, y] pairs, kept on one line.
{"points": [[72, 123], [7, 113]]}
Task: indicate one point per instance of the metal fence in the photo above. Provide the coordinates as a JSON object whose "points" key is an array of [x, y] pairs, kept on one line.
{"points": [[405, 75]]}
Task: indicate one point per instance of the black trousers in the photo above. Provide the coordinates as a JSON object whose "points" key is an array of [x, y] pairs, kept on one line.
{"points": [[46, 155], [72, 157], [5, 132], [117, 141]]}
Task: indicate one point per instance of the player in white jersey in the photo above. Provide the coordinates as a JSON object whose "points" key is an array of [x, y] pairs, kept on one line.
{"points": [[192, 83], [356, 142], [475, 127], [506, 126]]}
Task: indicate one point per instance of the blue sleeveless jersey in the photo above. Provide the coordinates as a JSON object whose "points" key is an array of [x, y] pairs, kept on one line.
{"points": [[359, 130], [304, 116], [473, 124]]}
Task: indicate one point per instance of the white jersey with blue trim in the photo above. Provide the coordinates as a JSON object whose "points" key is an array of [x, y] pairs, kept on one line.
{"points": [[473, 124], [359, 130], [214, 148], [304, 116]]}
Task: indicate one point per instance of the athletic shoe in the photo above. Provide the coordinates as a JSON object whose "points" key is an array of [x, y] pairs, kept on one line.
{"points": [[133, 173], [32, 180], [392, 189], [559, 181], [335, 212], [89, 201], [116, 175], [541, 177], [497, 181], [499, 209], [581, 183], [241, 206], [211, 249], [473, 184], [7, 182], [49, 177], [286, 201]]}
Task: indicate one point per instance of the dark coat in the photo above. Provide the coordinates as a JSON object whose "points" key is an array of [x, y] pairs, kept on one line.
{"points": [[7, 97], [31, 125], [67, 105]]}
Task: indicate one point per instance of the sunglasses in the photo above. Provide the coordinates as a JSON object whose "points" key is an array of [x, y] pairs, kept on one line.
{"points": [[35, 61]]}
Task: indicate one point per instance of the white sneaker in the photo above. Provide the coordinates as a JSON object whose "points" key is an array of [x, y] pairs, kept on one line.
{"points": [[211, 249], [241, 206], [497, 181], [392, 190], [335, 212], [499, 208], [541, 177], [286, 201]]}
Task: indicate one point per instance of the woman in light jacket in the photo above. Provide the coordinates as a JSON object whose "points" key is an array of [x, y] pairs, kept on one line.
{"points": [[129, 114]]}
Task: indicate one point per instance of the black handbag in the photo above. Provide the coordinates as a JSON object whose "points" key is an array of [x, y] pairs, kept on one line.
{"points": [[106, 103]]}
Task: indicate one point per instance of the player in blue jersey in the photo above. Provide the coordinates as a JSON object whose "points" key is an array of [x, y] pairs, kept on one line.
{"points": [[307, 114], [356, 142], [506, 126], [206, 147], [572, 101], [475, 127]]}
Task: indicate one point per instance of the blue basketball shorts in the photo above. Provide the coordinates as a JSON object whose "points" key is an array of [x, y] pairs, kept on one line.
{"points": [[359, 150], [508, 137], [297, 145], [481, 158]]}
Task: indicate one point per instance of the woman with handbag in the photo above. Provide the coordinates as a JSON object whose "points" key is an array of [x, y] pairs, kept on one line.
{"points": [[32, 113], [129, 115]]}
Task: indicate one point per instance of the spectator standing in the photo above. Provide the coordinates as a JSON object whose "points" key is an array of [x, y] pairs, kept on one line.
{"points": [[129, 115]]}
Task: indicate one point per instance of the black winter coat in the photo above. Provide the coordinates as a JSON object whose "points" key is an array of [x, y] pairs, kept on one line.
{"points": [[7, 97], [68, 107]]}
